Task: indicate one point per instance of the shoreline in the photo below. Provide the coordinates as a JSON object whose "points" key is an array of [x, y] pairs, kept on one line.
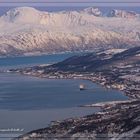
{"points": [[104, 107], [88, 79], [45, 76], [114, 118]]}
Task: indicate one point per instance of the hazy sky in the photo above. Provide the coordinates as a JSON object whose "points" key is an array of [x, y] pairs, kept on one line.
{"points": [[56, 5], [68, 0]]}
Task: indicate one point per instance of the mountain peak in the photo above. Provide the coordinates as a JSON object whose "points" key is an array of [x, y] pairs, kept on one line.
{"points": [[25, 9], [92, 11], [123, 13], [21, 14]]}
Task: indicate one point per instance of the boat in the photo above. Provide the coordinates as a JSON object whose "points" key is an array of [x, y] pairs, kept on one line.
{"points": [[82, 87]]}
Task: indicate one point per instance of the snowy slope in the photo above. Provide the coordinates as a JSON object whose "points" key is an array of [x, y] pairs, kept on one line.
{"points": [[123, 14], [26, 30]]}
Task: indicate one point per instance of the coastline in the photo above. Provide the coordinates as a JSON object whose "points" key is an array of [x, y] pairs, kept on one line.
{"points": [[104, 108], [111, 122], [73, 77]]}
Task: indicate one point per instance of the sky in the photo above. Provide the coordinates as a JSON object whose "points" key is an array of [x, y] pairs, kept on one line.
{"points": [[68, 0], [58, 5], [72, 3]]}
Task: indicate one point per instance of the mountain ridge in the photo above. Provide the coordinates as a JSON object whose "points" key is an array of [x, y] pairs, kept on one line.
{"points": [[54, 32]]}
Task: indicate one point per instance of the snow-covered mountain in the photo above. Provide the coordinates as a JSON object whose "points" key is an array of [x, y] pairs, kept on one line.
{"points": [[92, 11], [26, 31], [123, 14]]}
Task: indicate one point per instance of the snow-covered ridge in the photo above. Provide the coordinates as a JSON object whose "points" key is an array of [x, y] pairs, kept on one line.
{"points": [[123, 14], [27, 30], [32, 15], [22, 14], [92, 11]]}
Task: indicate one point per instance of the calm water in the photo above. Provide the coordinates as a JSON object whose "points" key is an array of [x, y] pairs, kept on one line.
{"points": [[18, 92], [6, 63], [31, 103]]}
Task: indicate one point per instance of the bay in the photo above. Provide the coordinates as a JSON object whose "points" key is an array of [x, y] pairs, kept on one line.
{"points": [[31, 103]]}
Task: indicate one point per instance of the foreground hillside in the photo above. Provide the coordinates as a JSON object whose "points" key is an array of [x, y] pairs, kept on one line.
{"points": [[119, 69], [55, 32], [117, 121]]}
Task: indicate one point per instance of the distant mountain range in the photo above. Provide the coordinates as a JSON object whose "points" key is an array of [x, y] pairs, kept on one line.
{"points": [[27, 31]]}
